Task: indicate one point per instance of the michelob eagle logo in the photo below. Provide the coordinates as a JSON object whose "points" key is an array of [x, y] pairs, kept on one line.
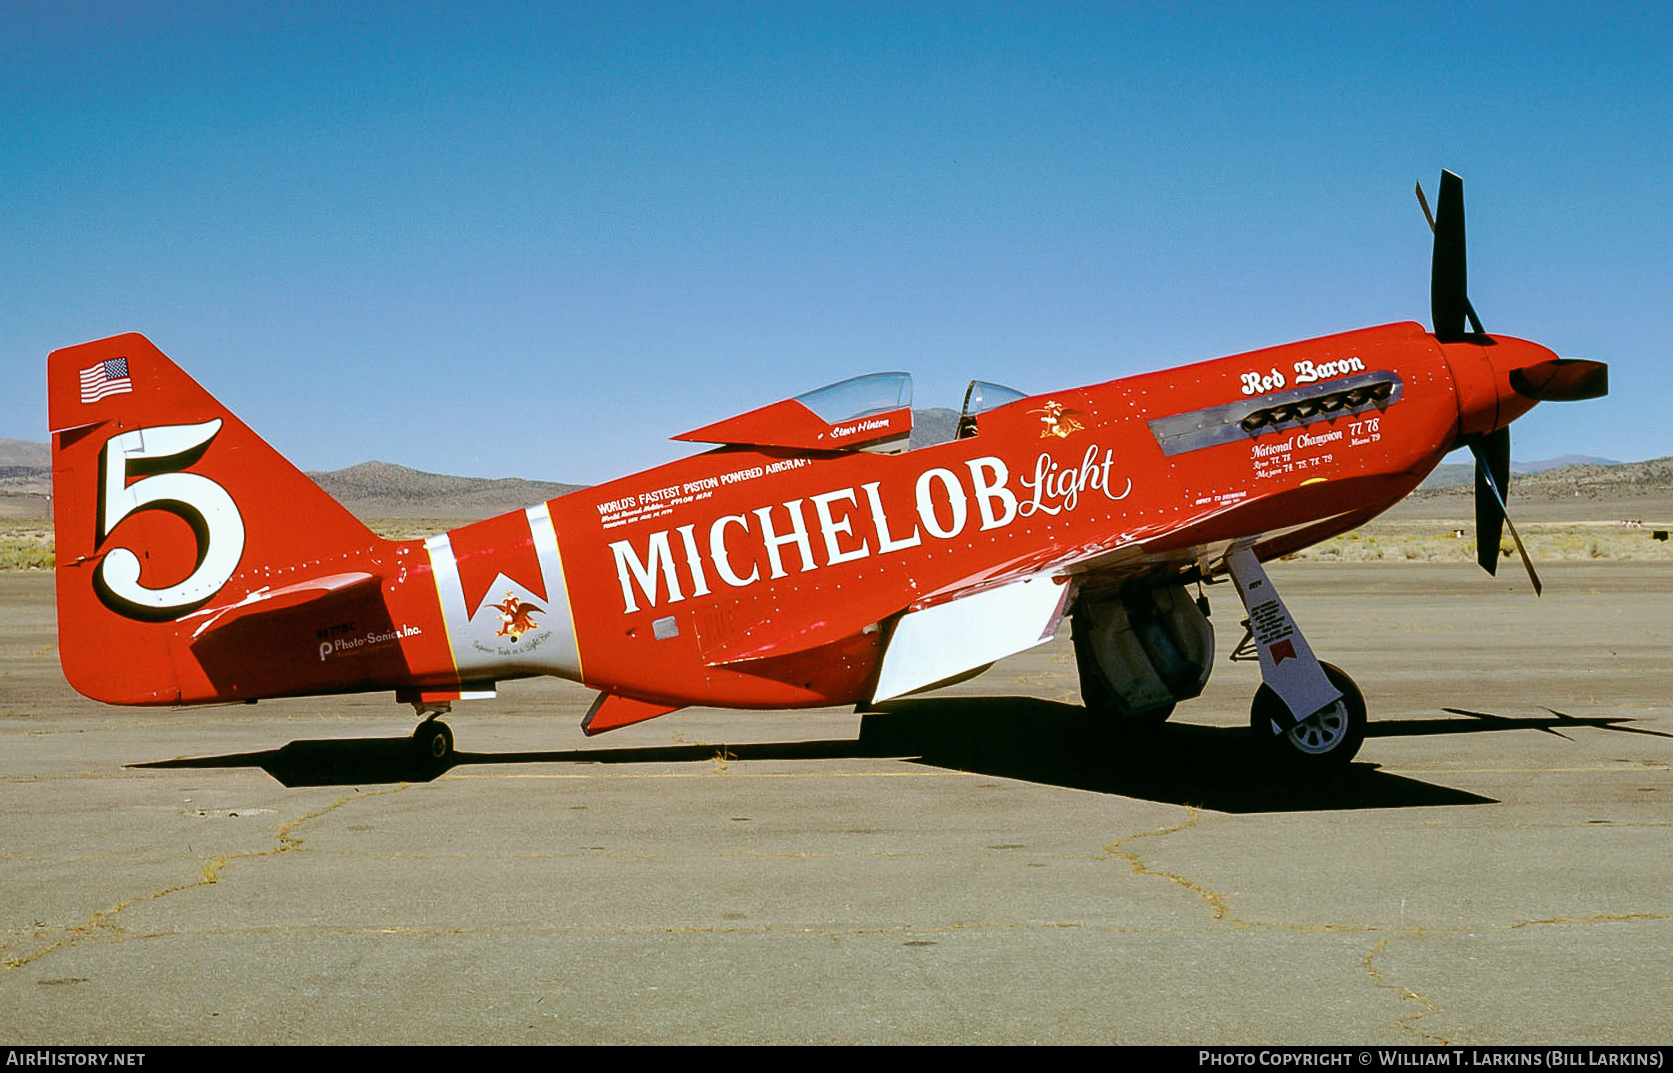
{"points": [[1058, 420], [516, 617], [846, 525]]}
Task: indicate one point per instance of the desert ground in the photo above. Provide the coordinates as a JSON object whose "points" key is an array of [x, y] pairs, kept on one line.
{"points": [[979, 865]]}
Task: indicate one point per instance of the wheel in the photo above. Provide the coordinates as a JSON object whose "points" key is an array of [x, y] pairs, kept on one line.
{"points": [[1095, 692], [1324, 741], [433, 740]]}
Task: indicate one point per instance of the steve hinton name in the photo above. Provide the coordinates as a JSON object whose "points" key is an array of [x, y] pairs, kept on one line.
{"points": [[848, 524]]}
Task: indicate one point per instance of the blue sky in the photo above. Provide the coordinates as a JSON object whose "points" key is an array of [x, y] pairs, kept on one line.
{"points": [[537, 240]]}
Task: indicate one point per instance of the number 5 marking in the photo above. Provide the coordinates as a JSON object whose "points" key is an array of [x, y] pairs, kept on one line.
{"points": [[157, 455]]}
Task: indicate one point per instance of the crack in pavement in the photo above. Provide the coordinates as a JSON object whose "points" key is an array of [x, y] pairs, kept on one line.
{"points": [[1215, 899], [834, 931], [1595, 918], [1221, 907], [1222, 912], [102, 924], [1408, 1024], [1405, 1024]]}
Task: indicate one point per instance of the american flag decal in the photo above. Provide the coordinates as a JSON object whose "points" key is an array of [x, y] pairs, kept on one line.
{"points": [[105, 378]]}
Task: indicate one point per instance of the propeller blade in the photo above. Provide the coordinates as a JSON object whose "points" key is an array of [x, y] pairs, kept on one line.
{"points": [[1492, 473], [1423, 201], [1492, 465], [1562, 380], [1475, 321], [1449, 302]]}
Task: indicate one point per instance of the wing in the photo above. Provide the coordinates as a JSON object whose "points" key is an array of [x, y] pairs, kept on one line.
{"points": [[960, 631]]}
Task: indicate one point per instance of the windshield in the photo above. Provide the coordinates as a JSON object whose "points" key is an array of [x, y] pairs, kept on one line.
{"points": [[862, 396], [983, 396], [980, 397]]}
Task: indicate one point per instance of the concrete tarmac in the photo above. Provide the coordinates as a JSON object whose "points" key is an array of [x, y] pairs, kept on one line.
{"points": [[979, 865]]}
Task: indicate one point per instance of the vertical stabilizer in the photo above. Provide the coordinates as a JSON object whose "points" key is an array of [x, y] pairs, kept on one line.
{"points": [[166, 504]]}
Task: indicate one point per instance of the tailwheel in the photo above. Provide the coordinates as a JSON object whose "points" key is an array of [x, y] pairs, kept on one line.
{"points": [[1324, 741], [433, 742]]}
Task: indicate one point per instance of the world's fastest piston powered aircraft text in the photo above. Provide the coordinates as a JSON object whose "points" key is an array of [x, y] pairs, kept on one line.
{"points": [[808, 559]]}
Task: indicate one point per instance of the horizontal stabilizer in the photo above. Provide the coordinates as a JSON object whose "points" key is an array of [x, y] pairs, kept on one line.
{"points": [[944, 641], [268, 601]]}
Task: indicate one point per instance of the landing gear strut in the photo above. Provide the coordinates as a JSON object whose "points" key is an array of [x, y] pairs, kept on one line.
{"points": [[1325, 740], [432, 740], [1306, 715]]}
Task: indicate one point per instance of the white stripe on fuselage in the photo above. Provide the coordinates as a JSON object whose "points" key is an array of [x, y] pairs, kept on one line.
{"points": [[480, 649]]}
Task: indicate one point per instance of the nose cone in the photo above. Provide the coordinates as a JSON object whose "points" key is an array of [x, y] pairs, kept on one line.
{"points": [[1499, 378]]}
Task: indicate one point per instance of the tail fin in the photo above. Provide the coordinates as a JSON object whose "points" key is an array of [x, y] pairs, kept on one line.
{"points": [[164, 503]]}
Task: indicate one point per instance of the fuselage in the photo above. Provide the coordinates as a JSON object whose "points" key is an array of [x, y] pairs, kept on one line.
{"points": [[751, 577]]}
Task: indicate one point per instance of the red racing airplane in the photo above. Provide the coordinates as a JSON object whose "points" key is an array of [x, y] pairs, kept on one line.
{"points": [[808, 559]]}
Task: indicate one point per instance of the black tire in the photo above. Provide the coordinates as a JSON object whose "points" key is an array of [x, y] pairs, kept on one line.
{"points": [[433, 742], [1095, 693], [1325, 741]]}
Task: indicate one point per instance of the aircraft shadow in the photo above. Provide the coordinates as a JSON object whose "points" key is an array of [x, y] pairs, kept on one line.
{"points": [[1009, 737], [329, 762], [370, 761], [1177, 763]]}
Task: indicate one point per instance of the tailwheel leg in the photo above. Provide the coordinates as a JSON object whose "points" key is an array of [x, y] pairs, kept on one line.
{"points": [[432, 739], [1306, 715]]}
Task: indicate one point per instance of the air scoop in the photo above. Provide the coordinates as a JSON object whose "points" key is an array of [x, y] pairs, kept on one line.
{"points": [[1562, 380]]}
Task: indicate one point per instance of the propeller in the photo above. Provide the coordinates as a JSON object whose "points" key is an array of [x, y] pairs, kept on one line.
{"points": [[1449, 306], [1449, 301], [1492, 473]]}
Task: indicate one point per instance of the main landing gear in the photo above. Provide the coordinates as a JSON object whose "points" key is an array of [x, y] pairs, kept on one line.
{"points": [[1327, 739], [1331, 728], [1139, 652]]}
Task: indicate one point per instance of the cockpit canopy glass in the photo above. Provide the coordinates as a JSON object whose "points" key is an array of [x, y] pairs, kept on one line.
{"points": [[982, 396], [862, 396]]}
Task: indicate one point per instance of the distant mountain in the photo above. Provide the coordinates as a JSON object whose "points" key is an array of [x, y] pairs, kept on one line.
{"points": [[25, 492], [369, 490], [385, 490], [1462, 474], [1561, 461], [1594, 481], [25, 479], [1589, 480], [25, 453], [1449, 475], [938, 424]]}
